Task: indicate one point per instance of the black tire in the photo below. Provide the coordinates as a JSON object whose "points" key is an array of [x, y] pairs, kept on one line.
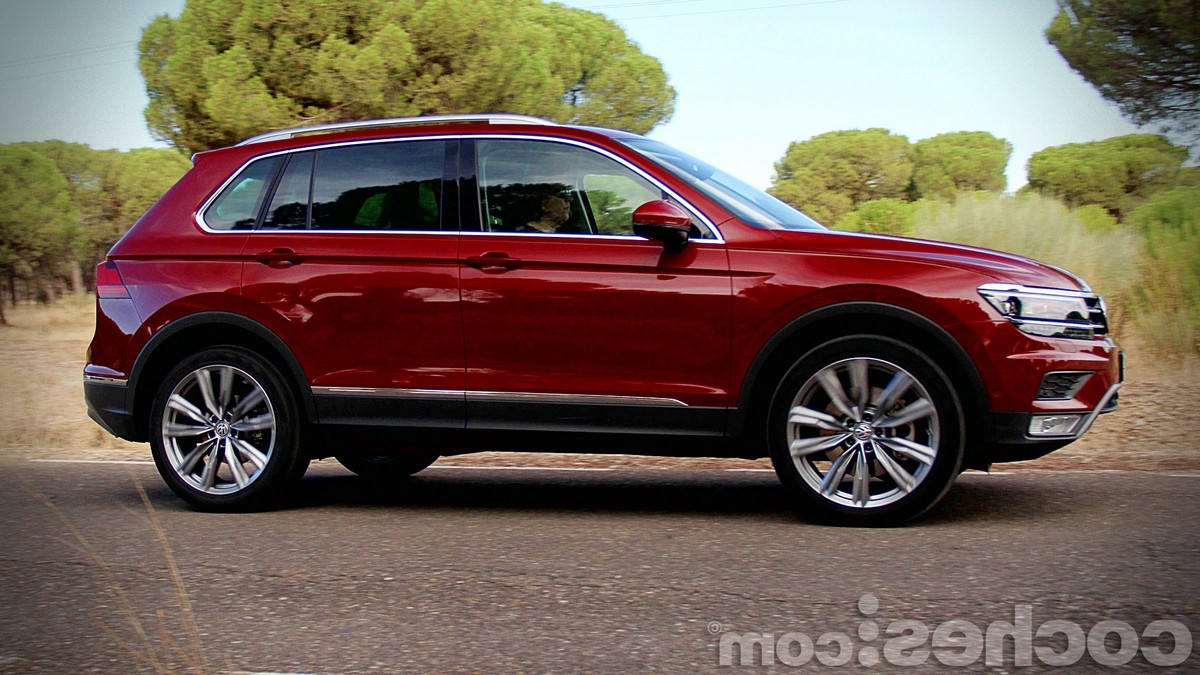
{"points": [[909, 437], [224, 431], [387, 466]]}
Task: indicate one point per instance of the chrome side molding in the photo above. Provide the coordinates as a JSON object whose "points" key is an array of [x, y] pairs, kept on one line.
{"points": [[500, 396]]}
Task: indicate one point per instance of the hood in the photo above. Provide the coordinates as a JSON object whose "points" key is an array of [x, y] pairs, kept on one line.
{"points": [[998, 266]]}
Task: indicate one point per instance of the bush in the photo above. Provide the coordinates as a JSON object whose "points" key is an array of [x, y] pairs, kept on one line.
{"points": [[1167, 296], [1096, 217], [1043, 228], [881, 216]]}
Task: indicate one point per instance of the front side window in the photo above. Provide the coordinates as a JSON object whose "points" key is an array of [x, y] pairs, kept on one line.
{"points": [[535, 186]]}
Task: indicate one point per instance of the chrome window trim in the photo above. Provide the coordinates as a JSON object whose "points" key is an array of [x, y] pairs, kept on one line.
{"points": [[501, 396], [198, 218], [584, 237]]}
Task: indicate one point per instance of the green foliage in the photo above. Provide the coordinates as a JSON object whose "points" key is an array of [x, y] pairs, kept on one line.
{"points": [[964, 161], [831, 174], [226, 69], [881, 216], [38, 224], [1140, 54], [138, 178], [1042, 228], [1096, 217], [109, 189], [85, 171], [1117, 173], [613, 215], [1189, 176], [1168, 294]]}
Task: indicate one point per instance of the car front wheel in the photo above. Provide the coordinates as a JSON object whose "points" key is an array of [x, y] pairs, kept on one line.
{"points": [[866, 430], [224, 433]]}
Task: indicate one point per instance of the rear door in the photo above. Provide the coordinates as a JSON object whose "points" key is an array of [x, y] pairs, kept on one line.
{"points": [[354, 264]]}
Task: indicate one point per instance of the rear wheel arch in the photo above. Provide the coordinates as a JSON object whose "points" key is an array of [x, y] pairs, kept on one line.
{"points": [[196, 332], [819, 327]]}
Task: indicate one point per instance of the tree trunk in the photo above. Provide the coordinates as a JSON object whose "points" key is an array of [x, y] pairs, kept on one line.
{"points": [[76, 278], [49, 292]]}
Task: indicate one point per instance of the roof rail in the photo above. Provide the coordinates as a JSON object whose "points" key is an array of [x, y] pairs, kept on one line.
{"points": [[487, 118]]}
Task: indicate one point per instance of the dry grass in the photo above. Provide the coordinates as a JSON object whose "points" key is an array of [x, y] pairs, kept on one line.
{"points": [[1043, 229], [42, 413]]}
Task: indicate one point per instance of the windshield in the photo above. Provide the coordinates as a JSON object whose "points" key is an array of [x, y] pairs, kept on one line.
{"points": [[749, 204]]}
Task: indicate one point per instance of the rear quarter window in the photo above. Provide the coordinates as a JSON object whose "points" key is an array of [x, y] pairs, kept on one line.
{"points": [[238, 204]]}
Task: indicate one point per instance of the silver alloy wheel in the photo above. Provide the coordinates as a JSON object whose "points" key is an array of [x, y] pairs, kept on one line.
{"points": [[218, 429], [863, 432]]}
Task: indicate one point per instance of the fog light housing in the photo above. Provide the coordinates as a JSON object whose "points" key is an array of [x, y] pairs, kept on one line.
{"points": [[1054, 425]]}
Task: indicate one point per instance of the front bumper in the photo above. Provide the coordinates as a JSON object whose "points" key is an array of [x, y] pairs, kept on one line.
{"points": [[1011, 441], [1026, 377]]}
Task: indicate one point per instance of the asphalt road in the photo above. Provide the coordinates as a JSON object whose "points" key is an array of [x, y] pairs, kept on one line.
{"points": [[486, 570]]}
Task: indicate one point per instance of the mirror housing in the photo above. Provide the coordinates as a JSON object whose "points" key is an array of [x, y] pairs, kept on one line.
{"points": [[663, 221]]}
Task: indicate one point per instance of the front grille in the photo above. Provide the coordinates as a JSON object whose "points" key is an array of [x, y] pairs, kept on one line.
{"points": [[1061, 385], [1096, 315]]}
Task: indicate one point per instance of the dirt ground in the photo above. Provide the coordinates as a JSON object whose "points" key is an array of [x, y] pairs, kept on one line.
{"points": [[42, 414]]}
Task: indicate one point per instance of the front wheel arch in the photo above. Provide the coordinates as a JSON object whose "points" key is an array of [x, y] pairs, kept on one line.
{"points": [[748, 421]]}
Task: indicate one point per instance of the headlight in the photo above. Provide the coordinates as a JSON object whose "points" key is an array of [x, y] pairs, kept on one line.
{"points": [[1048, 312]]}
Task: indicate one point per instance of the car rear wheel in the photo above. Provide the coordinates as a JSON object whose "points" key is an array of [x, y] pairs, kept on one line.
{"points": [[387, 466], [866, 430], [224, 433]]}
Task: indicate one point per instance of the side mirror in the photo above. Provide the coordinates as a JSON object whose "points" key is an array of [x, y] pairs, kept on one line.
{"points": [[663, 221]]}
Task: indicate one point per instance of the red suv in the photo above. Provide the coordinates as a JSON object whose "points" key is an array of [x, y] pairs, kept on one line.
{"points": [[389, 291]]}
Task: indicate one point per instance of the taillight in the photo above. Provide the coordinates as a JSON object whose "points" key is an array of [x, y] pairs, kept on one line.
{"points": [[108, 281]]}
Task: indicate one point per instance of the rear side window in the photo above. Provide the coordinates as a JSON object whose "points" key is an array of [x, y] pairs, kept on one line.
{"points": [[237, 206], [289, 204], [379, 187]]}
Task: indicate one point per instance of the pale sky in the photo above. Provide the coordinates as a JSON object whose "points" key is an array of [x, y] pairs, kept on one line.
{"points": [[751, 76]]}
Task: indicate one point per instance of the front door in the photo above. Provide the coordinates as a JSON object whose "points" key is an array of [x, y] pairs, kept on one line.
{"points": [[573, 322]]}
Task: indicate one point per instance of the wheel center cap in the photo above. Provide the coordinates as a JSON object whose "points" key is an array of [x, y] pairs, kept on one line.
{"points": [[222, 429], [863, 431]]}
